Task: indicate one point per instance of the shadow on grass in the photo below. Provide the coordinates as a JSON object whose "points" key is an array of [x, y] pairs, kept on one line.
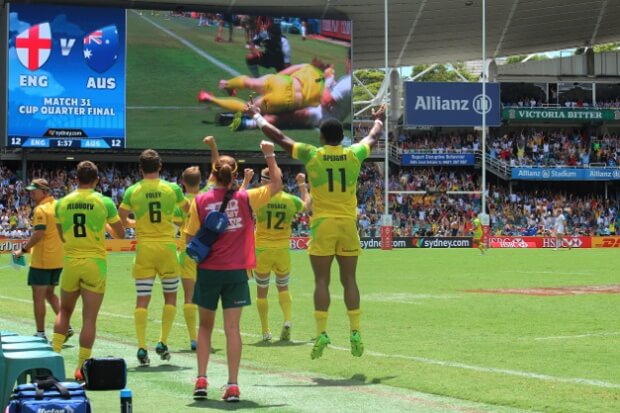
{"points": [[358, 379], [222, 405], [188, 351], [158, 369], [278, 343]]}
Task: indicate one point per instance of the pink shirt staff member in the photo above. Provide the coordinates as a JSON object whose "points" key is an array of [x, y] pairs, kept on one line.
{"points": [[224, 273]]}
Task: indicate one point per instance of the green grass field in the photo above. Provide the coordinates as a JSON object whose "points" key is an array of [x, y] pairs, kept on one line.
{"points": [[164, 76], [431, 346]]}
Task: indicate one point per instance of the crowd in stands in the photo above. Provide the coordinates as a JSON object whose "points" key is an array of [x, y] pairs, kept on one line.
{"points": [[432, 213], [556, 148]]}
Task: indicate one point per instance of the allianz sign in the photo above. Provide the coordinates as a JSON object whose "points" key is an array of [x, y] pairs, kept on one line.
{"points": [[451, 104]]}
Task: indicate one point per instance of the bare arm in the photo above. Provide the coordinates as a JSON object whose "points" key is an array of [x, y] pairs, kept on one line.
{"points": [[116, 230], [248, 174], [127, 222], [275, 178], [269, 130], [303, 189], [377, 130], [210, 142], [36, 236]]}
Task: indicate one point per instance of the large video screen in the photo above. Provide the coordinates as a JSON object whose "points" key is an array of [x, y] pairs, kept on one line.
{"points": [[171, 78]]}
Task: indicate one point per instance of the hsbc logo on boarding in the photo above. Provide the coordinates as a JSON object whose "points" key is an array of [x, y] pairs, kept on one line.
{"points": [[299, 243], [573, 242], [499, 242]]}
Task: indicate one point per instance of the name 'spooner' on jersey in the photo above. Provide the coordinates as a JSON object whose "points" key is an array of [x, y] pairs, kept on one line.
{"points": [[333, 172], [153, 202], [82, 215], [273, 221]]}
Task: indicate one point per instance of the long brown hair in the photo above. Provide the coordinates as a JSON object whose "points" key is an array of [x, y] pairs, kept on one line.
{"points": [[225, 170]]}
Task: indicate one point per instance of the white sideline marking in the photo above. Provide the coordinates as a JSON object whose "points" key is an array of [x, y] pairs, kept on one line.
{"points": [[195, 48], [482, 369], [579, 336]]}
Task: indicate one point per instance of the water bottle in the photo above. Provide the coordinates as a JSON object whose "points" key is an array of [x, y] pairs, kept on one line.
{"points": [[126, 403]]}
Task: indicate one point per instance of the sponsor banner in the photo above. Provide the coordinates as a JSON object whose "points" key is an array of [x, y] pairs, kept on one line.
{"points": [[581, 115], [451, 104], [538, 242], [566, 174], [371, 243], [66, 77], [8, 246], [120, 245], [606, 242], [299, 243], [449, 159], [510, 242], [442, 242], [340, 29]]}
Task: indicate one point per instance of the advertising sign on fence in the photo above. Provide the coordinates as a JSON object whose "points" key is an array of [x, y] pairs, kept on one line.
{"points": [[560, 114], [566, 174], [447, 159]]}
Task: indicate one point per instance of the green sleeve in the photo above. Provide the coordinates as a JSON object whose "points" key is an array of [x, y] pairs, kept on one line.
{"points": [[110, 207], [361, 151], [303, 152], [127, 197], [179, 194], [299, 205]]}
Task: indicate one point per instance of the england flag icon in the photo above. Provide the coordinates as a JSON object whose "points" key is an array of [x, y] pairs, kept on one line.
{"points": [[34, 46], [101, 48]]}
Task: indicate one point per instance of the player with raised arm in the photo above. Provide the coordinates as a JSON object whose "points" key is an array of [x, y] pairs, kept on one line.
{"points": [[273, 231], [82, 218], [153, 202], [333, 171]]}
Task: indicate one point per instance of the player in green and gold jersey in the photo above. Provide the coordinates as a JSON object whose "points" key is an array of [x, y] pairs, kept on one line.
{"points": [[82, 218], [153, 202], [273, 230], [332, 172], [191, 181]]}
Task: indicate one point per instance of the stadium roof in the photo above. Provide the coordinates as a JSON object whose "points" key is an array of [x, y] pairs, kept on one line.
{"points": [[438, 31]]}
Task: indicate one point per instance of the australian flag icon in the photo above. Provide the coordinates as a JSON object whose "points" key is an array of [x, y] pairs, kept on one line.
{"points": [[101, 48]]}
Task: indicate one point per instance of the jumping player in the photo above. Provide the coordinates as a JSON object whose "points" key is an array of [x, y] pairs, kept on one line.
{"points": [[333, 171]]}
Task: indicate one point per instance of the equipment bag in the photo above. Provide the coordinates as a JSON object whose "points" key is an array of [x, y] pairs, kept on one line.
{"points": [[105, 373], [49, 395], [213, 225]]}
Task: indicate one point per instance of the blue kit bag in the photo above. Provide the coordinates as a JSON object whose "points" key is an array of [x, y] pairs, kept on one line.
{"points": [[49, 395], [213, 225]]}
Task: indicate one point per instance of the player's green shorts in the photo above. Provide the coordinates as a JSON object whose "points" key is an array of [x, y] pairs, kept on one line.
{"points": [[154, 258], [277, 260], [188, 267], [334, 236], [229, 285], [40, 276], [87, 273]]}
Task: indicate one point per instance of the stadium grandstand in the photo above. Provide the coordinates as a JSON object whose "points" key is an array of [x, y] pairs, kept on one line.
{"points": [[489, 248]]}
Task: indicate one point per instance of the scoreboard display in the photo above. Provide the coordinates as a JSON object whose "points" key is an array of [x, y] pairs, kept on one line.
{"points": [[66, 77]]}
